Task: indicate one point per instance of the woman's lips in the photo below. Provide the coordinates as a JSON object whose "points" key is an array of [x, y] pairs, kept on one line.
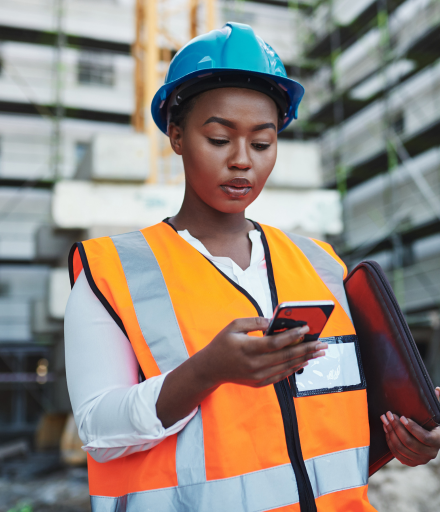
{"points": [[236, 188]]}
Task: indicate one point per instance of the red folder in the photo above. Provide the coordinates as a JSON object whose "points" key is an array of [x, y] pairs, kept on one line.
{"points": [[396, 376]]}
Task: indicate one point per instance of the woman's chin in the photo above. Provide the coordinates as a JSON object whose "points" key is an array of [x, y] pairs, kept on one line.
{"points": [[232, 207]]}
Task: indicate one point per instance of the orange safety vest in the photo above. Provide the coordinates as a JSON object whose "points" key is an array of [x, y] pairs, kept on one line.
{"points": [[300, 445]]}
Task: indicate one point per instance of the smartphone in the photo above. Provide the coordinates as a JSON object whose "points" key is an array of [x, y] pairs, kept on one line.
{"points": [[289, 315]]}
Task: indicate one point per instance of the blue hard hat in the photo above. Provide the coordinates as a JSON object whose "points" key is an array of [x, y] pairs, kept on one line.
{"points": [[236, 53]]}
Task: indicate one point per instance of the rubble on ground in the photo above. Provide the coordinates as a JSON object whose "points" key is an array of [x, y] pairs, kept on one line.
{"points": [[65, 490], [400, 488]]}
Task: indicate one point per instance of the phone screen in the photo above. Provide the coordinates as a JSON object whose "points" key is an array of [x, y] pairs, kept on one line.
{"points": [[289, 315]]}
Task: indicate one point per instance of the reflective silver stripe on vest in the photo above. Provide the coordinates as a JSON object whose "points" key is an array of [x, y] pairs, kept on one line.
{"points": [[339, 470], [252, 492], [151, 300], [190, 452], [161, 332], [327, 268]]}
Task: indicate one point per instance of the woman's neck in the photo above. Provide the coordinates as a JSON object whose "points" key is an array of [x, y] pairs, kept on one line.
{"points": [[223, 234], [203, 221]]}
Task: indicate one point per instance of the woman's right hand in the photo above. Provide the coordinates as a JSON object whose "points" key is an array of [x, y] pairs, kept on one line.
{"points": [[235, 356]]}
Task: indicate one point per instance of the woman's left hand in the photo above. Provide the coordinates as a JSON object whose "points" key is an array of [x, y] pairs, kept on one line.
{"points": [[410, 443]]}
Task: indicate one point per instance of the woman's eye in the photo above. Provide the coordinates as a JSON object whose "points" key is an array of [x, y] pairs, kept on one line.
{"points": [[218, 142], [260, 147]]}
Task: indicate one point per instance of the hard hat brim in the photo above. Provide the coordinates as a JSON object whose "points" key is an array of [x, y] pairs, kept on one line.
{"points": [[293, 89]]}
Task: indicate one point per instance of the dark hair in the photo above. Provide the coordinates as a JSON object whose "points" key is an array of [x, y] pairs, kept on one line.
{"points": [[179, 113]]}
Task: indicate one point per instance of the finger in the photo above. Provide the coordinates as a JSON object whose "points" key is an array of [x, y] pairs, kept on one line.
{"points": [[279, 376], [415, 430], [406, 443], [293, 355], [289, 337], [437, 392], [397, 454], [265, 344], [291, 366], [425, 437], [399, 451], [245, 325]]}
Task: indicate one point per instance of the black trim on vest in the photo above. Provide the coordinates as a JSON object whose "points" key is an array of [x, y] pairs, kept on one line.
{"points": [[305, 491], [234, 284], [284, 394], [240, 289], [95, 289], [167, 221], [270, 276], [70, 264]]}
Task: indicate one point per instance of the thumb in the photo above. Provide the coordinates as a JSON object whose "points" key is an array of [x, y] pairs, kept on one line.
{"points": [[437, 392], [245, 325]]}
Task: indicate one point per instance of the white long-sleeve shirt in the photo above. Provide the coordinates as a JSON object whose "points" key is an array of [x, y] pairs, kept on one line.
{"points": [[115, 414]]}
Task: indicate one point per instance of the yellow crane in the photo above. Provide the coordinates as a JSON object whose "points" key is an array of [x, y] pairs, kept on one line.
{"points": [[152, 50]]}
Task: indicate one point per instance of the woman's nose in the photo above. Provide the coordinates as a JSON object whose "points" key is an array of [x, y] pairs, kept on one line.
{"points": [[240, 159]]}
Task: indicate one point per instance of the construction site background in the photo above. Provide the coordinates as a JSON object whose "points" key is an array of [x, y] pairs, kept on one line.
{"points": [[80, 158]]}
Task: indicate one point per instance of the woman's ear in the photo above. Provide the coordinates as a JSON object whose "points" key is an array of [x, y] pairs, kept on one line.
{"points": [[175, 133]]}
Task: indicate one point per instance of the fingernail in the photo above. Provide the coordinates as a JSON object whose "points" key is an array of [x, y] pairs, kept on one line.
{"points": [[390, 416], [320, 346], [384, 419], [318, 354], [304, 329], [404, 420]]}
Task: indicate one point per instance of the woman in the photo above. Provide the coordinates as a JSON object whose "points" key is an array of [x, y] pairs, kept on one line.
{"points": [[214, 426]]}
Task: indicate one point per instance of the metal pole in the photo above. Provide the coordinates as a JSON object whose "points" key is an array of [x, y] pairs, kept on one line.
{"points": [[58, 100], [151, 79], [193, 5], [210, 14], [138, 51], [338, 103]]}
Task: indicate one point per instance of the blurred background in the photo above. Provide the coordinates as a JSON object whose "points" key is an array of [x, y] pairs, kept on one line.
{"points": [[81, 158]]}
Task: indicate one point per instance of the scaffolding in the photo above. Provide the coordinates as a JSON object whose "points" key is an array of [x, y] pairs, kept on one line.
{"points": [[376, 117], [151, 64]]}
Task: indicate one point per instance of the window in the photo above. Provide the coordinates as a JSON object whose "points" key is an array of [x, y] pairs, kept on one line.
{"points": [[96, 68], [398, 123], [2, 63], [81, 149]]}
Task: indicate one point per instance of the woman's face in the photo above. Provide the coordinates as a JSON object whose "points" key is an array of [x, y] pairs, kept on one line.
{"points": [[228, 146]]}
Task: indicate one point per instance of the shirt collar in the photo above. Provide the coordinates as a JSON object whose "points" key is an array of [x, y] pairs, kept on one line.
{"points": [[257, 253]]}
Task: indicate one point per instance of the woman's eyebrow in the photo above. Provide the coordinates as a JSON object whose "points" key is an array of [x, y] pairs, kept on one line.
{"points": [[222, 121], [232, 125], [263, 127]]}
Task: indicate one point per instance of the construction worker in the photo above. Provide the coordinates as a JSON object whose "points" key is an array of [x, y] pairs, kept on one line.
{"points": [[214, 427]]}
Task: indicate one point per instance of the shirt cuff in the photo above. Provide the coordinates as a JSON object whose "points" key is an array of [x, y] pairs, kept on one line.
{"points": [[148, 429]]}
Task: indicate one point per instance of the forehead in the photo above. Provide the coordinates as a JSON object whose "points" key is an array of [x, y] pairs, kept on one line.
{"points": [[236, 102]]}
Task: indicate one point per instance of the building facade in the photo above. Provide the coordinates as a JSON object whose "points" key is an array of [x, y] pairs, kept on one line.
{"points": [[72, 166], [374, 71]]}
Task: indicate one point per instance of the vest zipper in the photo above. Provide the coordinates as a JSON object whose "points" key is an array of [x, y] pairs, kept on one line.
{"points": [[287, 405], [288, 412]]}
